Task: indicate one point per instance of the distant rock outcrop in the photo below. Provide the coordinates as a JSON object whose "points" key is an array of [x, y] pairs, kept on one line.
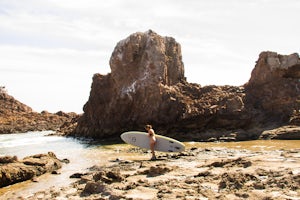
{"points": [[17, 117], [274, 86], [147, 85]]}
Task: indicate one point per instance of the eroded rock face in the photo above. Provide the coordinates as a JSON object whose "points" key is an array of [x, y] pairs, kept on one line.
{"points": [[274, 86], [146, 58], [147, 85]]}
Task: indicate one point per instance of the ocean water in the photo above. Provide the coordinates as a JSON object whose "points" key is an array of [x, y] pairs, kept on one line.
{"points": [[25, 144], [81, 153]]}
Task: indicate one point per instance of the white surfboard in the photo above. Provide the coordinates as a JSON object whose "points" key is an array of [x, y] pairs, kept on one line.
{"points": [[141, 139]]}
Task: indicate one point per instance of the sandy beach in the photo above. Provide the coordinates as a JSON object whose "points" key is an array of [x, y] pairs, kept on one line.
{"points": [[197, 173]]}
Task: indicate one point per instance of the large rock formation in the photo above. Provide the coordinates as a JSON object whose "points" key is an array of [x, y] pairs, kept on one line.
{"points": [[147, 85], [143, 66], [17, 117]]}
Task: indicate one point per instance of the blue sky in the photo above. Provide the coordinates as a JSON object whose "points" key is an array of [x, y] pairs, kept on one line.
{"points": [[50, 49]]}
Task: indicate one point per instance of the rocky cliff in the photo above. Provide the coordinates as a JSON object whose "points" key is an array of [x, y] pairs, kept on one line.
{"points": [[274, 86], [147, 85], [17, 117]]}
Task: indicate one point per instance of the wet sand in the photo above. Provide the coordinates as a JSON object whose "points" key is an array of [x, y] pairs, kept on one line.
{"points": [[197, 173]]}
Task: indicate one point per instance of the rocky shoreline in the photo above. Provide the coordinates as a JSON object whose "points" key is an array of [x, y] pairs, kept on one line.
{"points": [[147, 85], [13, 170], [197, 173], [16, 117]]}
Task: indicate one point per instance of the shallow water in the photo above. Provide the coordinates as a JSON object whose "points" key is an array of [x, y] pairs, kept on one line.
{"points": [[80, 153], [84, 154], [254, 145]]}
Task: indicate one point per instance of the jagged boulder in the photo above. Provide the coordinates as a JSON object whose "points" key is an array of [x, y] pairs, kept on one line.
{"points": [[13, 170], [144, 59]]}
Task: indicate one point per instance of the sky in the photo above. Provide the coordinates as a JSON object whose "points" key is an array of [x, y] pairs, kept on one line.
{"points": [[50, 49]]}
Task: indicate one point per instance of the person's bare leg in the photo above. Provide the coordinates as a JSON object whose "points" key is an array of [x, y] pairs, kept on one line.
{"points": [[152, 150]]}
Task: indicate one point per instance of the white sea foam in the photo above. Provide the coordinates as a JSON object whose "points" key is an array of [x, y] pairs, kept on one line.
{"points": [[30, 138], [25, 144]]}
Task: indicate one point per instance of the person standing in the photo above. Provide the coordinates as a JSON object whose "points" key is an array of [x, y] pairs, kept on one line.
{"points": [[152, 139]]}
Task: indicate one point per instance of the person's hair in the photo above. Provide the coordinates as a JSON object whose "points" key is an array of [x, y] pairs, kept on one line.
{"points": [[148, 126]]}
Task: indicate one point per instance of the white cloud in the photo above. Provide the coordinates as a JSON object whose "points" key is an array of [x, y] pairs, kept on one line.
{"points": [[59, 44], [51, 79]]}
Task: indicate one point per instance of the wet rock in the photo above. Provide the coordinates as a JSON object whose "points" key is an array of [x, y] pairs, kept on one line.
{"points": [[281, 179], [212, 139], [55, 172], [77, 175], [28, 168], [231, 162], [233, 181], [65, 160], [282, 133], [93, 187], [242, 195], [35, 179], [8, 159], [227, 139], [203, 174], [108, 176], [157, 170]]}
